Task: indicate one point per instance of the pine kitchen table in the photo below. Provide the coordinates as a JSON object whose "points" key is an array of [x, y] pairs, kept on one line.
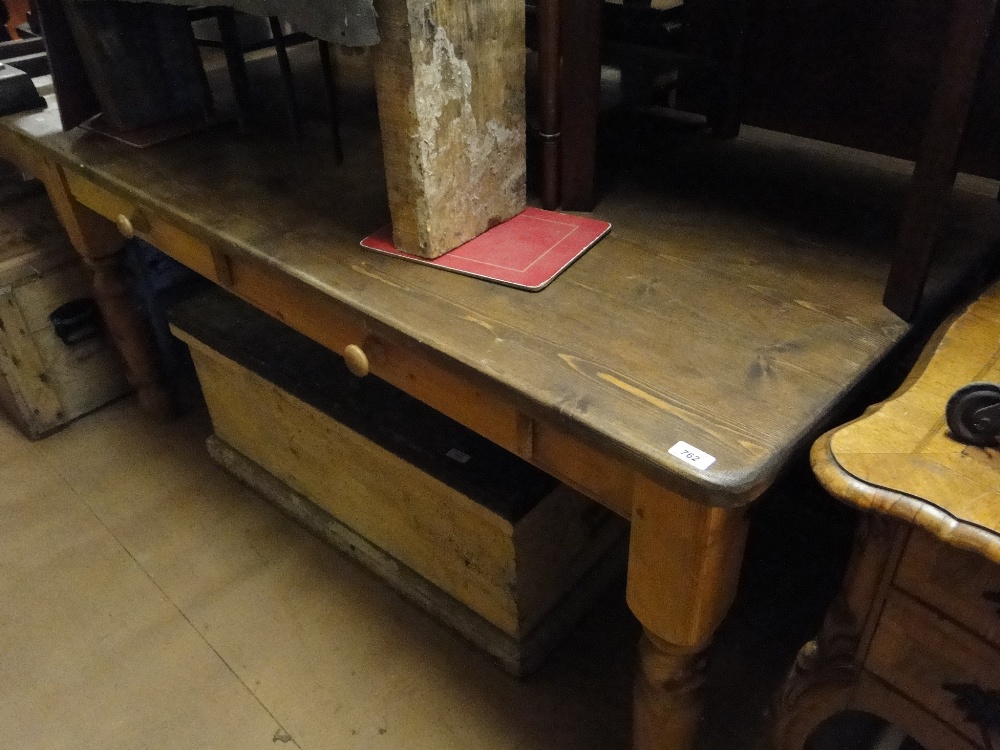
{"points": [[670, 374]]}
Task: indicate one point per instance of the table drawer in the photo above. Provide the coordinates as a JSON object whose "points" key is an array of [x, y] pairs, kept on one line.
{"points": [[97, 199], [962, 584], [175, 242], [933, 661], [404, 365], [321, 319]]}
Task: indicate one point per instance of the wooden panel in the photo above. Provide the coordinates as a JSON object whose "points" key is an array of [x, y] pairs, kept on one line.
{"points": [[182, 247], [512, 575], [874, 696], [405, 366], [162, 234], [559, 539], [684, 564], [452, 541], [734, 303], [519, 655], [961, 584], [31, 240], [583, 467], [84, 375], [450, 80], [40, 408], [97, 199], [51, 381], [141, 60], [918, 652], [910, 465]]}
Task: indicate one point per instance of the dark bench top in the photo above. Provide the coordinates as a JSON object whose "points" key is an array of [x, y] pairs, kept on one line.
{"points": [[735, 302]]}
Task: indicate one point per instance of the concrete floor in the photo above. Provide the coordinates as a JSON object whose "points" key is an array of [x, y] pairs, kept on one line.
{"points": [[150, 601]]}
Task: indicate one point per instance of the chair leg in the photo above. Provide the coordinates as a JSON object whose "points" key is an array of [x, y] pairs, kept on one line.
{"points": [[329, 65], [549, 87], [716, 28], [934, 173], [233, 49], [580, 98], [286, 75]]}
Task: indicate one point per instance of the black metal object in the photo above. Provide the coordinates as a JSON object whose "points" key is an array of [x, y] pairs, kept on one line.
{"points": [[993, 597], [973, 414], [36, 64], [234, 49], [980, 706], [21, 47], [76, 321], [17, 92], [281, 49], [329, 64]]}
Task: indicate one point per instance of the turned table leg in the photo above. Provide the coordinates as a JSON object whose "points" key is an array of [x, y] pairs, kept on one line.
{"points": [[98, 242], [684, 564]]}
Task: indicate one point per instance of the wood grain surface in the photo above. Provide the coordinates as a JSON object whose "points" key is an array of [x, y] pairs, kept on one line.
{"points": [[734, 304], [450, 79], [911, 466]]}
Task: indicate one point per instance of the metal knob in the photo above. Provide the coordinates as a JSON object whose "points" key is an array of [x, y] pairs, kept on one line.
{"points": [[973, 414], [356, 360]]}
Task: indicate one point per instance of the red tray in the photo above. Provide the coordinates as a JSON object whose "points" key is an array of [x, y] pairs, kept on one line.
{"points": [[526, 252]]}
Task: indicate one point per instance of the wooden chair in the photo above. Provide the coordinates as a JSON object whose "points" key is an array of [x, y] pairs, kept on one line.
{"points": [[234, 50], [699, 38]]}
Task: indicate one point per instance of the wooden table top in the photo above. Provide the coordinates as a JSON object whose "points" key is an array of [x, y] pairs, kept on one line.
{"points": [[900, 458], [734, 303]]}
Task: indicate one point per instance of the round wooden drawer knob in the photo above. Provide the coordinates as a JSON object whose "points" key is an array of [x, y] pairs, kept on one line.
{"points": [[356, 360], [126, 226]]}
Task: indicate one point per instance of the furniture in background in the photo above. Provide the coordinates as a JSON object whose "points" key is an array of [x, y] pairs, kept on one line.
{"points": [[234, 49], [451, 94], [694, 47], [56, 364], [141, 61], [670, 374], [482, 540], [890, 77], [913, 637]]}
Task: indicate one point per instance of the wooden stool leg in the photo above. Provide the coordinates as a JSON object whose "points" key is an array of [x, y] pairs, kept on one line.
{"points": [[934, 173], [329, 66], [684, 563], [286, 75], [580, 91], [233, 49], [549, 89]]}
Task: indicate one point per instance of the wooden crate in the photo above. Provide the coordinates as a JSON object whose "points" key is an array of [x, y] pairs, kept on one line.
{"points": [[481, 539], [45, 383]]}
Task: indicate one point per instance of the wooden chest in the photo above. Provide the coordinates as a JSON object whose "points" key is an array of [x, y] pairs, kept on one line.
{"points": [[44, 381], [484, 541]]}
